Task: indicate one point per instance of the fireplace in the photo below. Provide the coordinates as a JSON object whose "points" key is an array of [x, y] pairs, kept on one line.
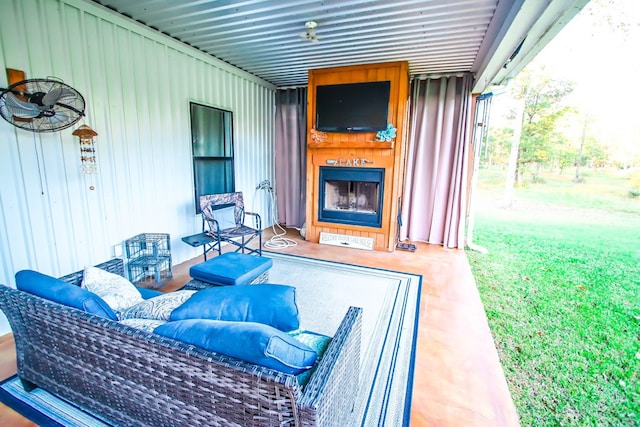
{"points": [[351, 195]]}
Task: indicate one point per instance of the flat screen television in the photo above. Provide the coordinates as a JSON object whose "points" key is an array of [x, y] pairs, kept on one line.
{"points": [[352, 107]]}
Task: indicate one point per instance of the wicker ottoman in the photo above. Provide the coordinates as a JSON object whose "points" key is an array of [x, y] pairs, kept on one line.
{"points": [[230, 268]]}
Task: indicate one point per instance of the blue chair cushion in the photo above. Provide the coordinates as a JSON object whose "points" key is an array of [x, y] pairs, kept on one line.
{"points": [[252, 342], [273, 305], [59, 291], [231, 268]]}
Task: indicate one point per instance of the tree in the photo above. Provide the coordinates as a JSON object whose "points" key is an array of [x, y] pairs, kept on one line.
{"points": [[564, 156], [581, 152], [497, 149], [595, 155], [539, 105], [543, 108], [543, 99], [512, 168]]}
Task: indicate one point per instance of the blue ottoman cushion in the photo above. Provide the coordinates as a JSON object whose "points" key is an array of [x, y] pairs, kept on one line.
{"points": [[231, 269]]}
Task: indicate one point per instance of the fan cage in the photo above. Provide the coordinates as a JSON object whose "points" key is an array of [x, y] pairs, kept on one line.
{"points": [[63, 114]]}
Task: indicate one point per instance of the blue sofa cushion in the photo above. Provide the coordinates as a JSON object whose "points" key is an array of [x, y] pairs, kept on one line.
{"points": [[62, 292], [273, 305], [148, 293], [249, 341], [231, 268]]}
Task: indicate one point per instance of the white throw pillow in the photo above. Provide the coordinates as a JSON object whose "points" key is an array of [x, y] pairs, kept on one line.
{"points": [[114, 289]]}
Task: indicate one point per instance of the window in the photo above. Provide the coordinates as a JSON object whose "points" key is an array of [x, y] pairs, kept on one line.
{"points": [[212, 144]]}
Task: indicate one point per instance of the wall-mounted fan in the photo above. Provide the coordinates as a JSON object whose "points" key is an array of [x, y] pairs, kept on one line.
{"points": [[41, 105]]}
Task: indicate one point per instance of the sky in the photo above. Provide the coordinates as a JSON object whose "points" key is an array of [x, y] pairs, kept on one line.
{"points": [[599, 50]]}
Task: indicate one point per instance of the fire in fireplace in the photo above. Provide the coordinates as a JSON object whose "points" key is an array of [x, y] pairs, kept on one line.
{"points": [[351, 195]]}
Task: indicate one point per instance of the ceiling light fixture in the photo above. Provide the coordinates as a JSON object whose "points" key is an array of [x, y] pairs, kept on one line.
{"points": [[310, 33]]}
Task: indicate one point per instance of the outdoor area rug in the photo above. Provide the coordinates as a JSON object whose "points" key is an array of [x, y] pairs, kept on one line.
{"points": [[325, 290]]}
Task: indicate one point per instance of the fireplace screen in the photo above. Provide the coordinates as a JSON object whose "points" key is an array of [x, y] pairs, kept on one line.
{"points": [[355, 196], [351, 195]]}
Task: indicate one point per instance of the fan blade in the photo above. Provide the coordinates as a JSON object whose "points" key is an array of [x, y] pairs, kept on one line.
{"points": [[58, 117], [56, 95], [19, 108]]}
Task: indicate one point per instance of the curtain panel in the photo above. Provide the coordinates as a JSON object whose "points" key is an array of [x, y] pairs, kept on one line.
{"points": [[435, 189], [291, 155]]}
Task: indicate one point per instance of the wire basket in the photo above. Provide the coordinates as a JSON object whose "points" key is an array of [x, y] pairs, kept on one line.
{"points": [[149, 259]]}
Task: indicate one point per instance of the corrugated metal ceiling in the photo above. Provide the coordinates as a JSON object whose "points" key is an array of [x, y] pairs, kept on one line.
{"points": [[263, 37]]}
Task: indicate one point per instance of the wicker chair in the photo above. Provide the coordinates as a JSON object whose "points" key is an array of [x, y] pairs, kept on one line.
{"points": [[134, 378]]}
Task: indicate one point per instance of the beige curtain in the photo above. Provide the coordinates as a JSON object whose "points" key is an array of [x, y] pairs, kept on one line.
{"points": [[435, 192], [291, 155]]}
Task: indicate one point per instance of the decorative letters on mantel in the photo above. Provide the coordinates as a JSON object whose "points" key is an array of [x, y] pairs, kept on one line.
{"points": [[352, 162]]}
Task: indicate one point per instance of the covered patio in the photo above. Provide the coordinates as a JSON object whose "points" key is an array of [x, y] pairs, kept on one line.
{"points": [[139, 81]]}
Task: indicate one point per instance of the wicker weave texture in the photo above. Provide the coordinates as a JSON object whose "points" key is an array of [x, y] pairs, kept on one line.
{"points": [[133, 378]]}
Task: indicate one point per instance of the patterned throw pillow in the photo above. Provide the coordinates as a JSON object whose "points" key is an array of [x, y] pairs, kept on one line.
{"points": [[114, 289], [317, 342], [147, 325], [157, 308]]}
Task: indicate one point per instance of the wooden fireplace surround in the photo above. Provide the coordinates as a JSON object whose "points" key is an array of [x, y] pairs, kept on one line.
{"points": [[359, 150]]}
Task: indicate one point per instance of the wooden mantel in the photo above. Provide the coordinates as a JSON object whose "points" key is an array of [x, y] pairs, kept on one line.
{"points": [[349, 147]]}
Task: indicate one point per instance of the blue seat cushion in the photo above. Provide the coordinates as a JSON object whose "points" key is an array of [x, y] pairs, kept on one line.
{"points": [[59, 291], [252, 342], [273, 305], [231, 268]]}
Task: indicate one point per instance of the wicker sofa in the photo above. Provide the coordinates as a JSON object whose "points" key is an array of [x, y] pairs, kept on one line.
{"points": [[135, 378]]}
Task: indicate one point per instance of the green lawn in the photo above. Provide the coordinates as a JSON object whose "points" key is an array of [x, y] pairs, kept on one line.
{"points": [[561, 288]]}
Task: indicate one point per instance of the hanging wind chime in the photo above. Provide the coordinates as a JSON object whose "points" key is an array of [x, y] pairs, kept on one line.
{"points": [[87, 149]]}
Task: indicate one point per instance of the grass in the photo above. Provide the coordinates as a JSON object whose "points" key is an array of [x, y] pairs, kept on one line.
{"points": [[561, 288], [605, 190]]}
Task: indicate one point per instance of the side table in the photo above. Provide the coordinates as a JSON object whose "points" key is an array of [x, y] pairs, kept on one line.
{"points": [[200, 239]]}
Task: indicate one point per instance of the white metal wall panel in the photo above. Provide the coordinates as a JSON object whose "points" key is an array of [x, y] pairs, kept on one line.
{"points": [[137, 84]]}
